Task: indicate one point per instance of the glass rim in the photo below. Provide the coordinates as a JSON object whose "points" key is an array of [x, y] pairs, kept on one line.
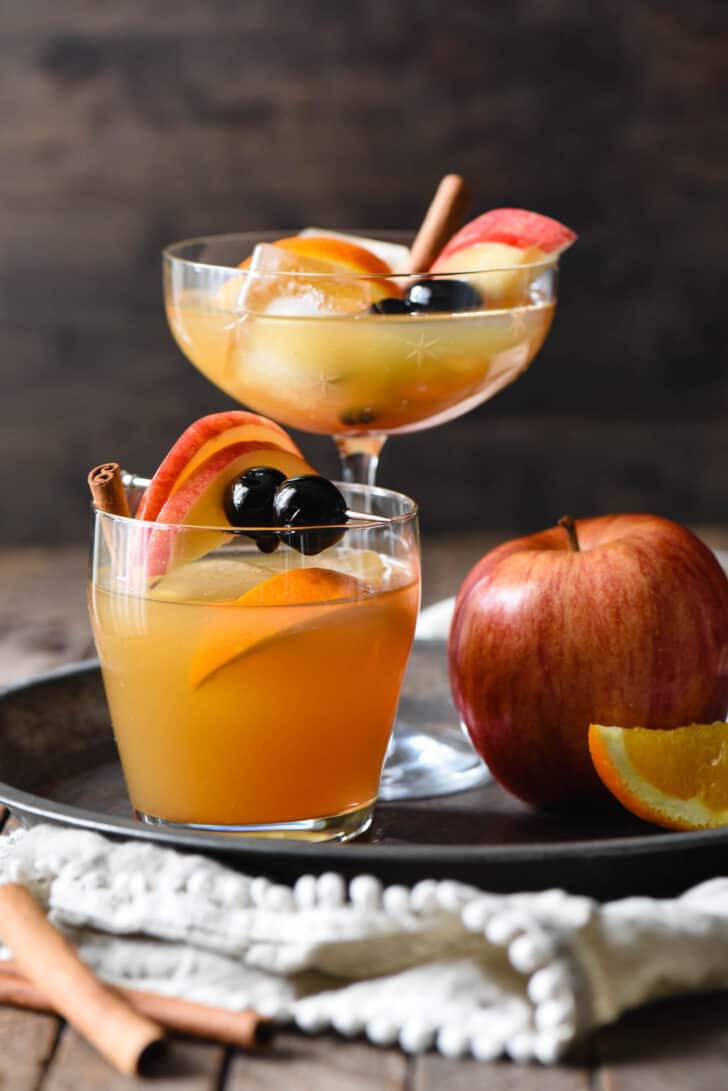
{"points": [[368, 521], [345, 274]]}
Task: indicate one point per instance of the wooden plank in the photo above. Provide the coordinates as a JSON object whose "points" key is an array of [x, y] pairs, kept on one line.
{"points": [[434, 1073], [187, 1066], [318, 1064], [675, 1045], [43, 615], [26, 1043]]}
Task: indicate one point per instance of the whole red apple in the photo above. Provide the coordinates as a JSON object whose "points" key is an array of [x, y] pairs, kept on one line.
{"points": [[616, 620]]}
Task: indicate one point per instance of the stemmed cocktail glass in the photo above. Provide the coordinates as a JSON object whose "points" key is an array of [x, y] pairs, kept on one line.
{"points": [[336, 353]]}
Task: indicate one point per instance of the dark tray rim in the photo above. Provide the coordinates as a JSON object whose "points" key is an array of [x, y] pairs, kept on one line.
{"points": [[37, 808]]}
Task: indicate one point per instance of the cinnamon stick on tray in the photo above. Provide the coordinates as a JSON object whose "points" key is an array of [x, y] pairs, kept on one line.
{"points": [[107, 490], [47, 960], [246, 1029], [444, 216]]}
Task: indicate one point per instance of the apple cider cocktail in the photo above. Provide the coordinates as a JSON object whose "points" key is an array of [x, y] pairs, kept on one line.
{"points": [[391, 356], [249, 690]]}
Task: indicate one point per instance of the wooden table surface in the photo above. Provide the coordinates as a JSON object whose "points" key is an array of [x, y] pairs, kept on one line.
{"points": [[676, 1045]]}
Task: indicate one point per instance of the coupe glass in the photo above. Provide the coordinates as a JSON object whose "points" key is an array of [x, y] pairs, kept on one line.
{"points": [[255, 693], [313, 351]]}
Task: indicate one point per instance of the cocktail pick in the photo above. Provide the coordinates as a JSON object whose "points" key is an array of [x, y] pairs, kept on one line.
{"points": [[133, 481], [373, 520]]}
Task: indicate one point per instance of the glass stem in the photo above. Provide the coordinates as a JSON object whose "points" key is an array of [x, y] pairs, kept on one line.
{"points": [[359, 458]]}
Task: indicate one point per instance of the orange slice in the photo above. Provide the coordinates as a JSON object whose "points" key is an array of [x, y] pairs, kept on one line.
{"points": [[300, 585], [676, 778], [347, 256], [309, 277], [304, 595]]}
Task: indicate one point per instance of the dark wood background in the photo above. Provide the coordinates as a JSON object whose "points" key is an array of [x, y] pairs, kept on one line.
{"points": [[126, 125]]}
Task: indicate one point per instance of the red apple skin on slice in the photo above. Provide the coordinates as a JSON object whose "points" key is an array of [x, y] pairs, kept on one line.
{"points": [[199, 503], [516, 227], [198, 442]]}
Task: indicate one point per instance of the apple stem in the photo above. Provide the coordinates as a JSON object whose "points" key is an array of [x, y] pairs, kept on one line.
{"points": [[569, 524]]}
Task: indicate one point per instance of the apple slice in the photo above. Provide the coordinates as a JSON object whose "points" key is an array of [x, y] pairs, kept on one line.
{"points": [[499, 240], [203, 438], [198, 502], [311, 595], [514, 227]]}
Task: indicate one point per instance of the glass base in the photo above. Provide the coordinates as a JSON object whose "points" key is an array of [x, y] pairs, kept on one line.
{"points": [[334, 827], [420, 765]]}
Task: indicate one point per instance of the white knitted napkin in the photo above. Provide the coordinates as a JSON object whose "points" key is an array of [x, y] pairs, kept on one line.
{"points": [[441, 964]]}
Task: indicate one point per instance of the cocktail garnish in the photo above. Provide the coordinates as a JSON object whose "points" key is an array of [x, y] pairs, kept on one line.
{"points": [[317, 597], [390, 305], [248, 502], [442, 294], [432, 295], [285, 283], [444, 216], [364, 415], [310, 501], [107, 489], [199, 442]]}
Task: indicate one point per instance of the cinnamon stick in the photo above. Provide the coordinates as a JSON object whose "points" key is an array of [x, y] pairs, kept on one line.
{"points": [[48, 961], [246, 1029], [445, 215], [107, 490]]}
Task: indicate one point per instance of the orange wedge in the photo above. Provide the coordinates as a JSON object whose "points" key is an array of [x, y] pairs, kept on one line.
{"points": [[305, 595], [347, 256], [299, 585], [676, 778]]}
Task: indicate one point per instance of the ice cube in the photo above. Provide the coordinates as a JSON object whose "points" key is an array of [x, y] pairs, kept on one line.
{"points": [[366, 564], [394, 254], [279, 282], [231, 293], [213, 579]]}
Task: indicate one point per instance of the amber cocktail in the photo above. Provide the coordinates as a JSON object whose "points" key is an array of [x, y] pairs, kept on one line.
{"points": [[307, 347], [256, 693], [341, 334]]}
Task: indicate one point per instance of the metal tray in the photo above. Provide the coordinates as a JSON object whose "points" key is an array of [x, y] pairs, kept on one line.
{"points": [[58, 764]]}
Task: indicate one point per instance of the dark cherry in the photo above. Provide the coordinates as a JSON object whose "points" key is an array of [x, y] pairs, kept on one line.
{"points": [[390, 305], [266, 543], [248, 502], [442, 294], [352, 417], [314, 502]]}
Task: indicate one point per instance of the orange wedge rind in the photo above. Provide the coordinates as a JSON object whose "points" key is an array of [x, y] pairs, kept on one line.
{"points": [[345, 255], [676, 778], [297, 586]]}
